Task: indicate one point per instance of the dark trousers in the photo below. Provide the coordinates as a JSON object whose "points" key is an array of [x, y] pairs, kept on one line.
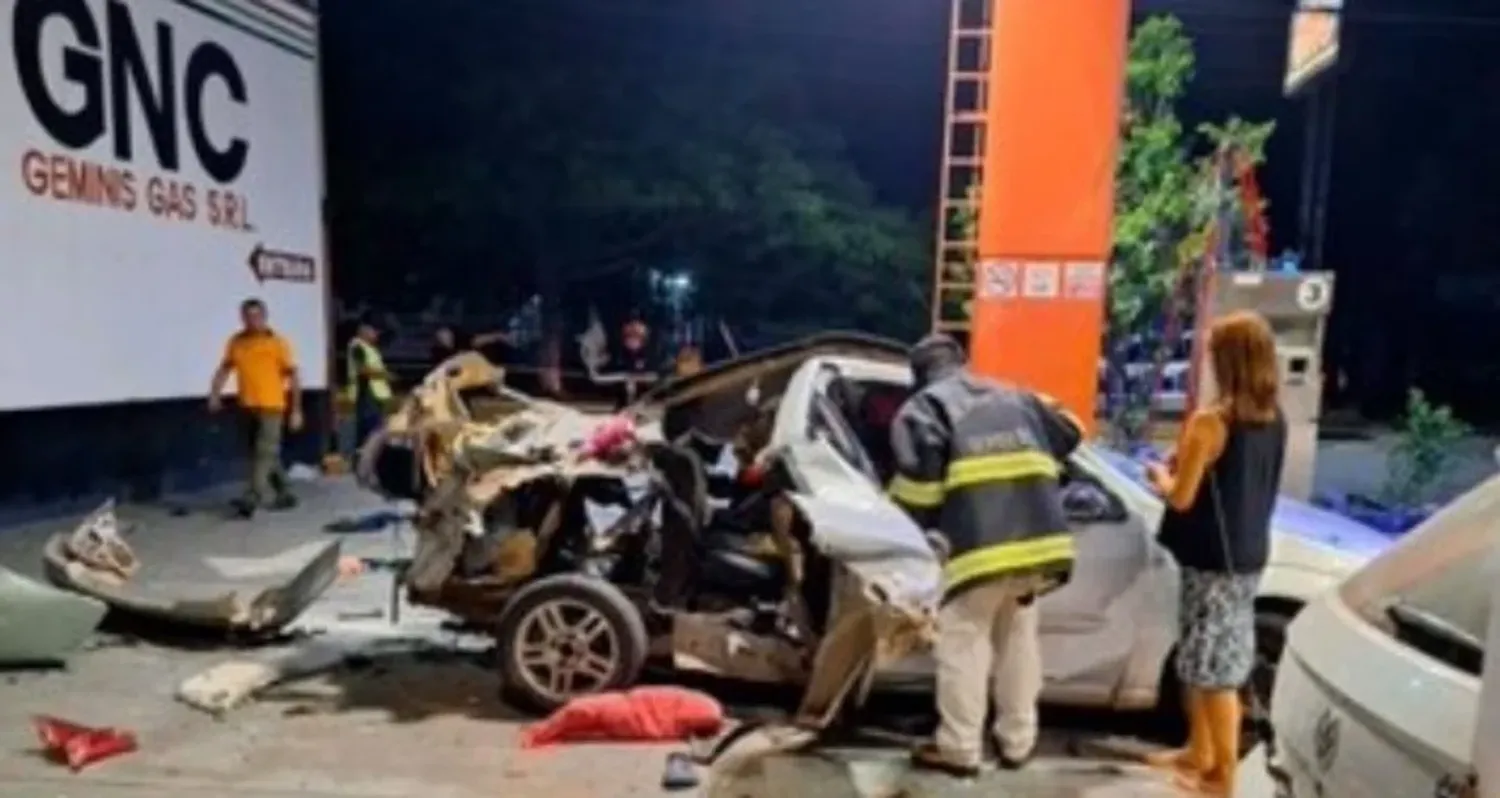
{"points": [[369, 415], [262, 439]]}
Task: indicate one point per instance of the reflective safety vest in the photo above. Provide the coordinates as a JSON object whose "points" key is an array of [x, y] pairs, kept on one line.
{"points": [[380, 388], [980, 462]]}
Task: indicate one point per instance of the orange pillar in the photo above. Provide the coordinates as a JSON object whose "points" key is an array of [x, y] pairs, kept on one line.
{"points": [[1056, 85]]}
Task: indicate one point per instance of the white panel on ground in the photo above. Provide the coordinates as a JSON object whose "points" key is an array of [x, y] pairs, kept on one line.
{"points": [[161, 162]]}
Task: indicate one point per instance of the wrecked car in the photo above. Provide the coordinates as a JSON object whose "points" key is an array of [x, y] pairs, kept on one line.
{"points": [[751, 538], [95, 560], [787, 566]]}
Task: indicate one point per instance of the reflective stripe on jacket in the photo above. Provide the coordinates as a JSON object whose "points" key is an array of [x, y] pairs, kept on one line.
{"points": [[980, 462], [380, 388]]}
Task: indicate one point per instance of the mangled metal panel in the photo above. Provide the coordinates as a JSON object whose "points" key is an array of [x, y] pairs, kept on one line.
{"points": [[40, 624], [94, 560]]}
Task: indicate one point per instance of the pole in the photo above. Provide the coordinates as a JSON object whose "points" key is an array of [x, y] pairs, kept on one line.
{"points": [[1046, 204]]}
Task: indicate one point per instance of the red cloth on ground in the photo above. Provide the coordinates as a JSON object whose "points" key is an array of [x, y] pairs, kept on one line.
{"points": [[79, 746], [645, 714]]}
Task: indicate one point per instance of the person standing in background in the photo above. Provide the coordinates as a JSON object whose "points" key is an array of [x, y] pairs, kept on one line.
{"points": [[1220, 488], [689, 361], [270, 396], [368, 383], [635, 337]]}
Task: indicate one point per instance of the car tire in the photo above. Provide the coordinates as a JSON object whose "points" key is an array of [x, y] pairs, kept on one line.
{"points": [[1270, 642], [1270, 639], [566, 636]]}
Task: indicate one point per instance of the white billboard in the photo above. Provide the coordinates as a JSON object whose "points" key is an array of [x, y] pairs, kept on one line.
{"points": [[162, 163]]}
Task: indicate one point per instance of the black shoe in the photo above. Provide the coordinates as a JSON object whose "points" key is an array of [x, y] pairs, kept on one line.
{"points": [[243, 509], [1015, 763], [929, 757], [285, 501]]}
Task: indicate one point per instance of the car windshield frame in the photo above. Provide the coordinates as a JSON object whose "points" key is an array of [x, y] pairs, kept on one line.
{"points": [[1446, 569], [1116, 472], [841, 434]]}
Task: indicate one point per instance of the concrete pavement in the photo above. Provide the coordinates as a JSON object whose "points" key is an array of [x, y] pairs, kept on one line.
{"points": [[401, 725], [424, 721]]}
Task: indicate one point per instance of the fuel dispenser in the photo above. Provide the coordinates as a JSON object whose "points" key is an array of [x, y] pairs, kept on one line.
{"points": [[1296, 304]]}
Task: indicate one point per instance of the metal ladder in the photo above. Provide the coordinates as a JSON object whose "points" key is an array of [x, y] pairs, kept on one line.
{"points": [[964, 114]]}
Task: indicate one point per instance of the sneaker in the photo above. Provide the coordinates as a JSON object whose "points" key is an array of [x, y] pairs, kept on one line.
{"points": [[1008, 762], [928, 756], [285, 501]]}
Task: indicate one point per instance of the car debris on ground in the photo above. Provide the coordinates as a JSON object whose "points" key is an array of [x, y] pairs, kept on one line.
{"points": [[641, 715], [78, 746], [94, 560], [40, 624]]}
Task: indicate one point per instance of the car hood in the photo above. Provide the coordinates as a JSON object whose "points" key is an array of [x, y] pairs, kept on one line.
{"points": [[1291, 517], [1327, 529]]}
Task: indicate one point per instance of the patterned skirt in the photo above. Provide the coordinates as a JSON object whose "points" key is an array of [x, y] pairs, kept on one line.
{"points": [[1216, 641]]}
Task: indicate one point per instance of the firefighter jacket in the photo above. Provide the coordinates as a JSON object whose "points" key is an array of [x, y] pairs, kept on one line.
{"points": [[980, 462]]}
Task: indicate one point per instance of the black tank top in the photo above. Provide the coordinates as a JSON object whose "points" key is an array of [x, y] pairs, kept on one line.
{"points": [[1246, 478]]}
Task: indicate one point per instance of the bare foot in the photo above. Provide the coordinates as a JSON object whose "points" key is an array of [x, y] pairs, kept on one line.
{"points": [[1190, 782], [1179, 760], [1217, 785]]}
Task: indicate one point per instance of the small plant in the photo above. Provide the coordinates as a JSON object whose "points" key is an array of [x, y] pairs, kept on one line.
{"points": [[1424, 451]]}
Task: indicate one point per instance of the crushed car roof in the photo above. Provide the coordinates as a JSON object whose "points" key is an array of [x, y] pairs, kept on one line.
{"points": [[719, 375]]}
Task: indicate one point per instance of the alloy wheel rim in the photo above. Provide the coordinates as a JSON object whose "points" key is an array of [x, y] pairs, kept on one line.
{"points": [[565, 648]]}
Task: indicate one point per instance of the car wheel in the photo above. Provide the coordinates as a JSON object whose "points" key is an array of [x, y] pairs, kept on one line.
{"points": [[1270, 641], [566, 636]]}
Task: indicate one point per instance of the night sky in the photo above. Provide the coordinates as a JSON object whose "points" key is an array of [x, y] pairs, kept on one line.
{"points": [[1409, 212]]}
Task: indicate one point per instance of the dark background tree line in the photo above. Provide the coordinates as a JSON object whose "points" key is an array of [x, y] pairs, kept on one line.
{"points": [[501, 150], [563, 150]]}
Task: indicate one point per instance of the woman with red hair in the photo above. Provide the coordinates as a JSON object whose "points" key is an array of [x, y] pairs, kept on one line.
{"points": [[1219, 491]]}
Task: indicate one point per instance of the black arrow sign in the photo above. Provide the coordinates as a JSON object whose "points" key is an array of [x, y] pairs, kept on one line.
{"points": [[269, 264]]}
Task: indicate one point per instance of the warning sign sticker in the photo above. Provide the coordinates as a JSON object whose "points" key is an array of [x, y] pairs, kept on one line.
{"points": [[998, 279], [1083, 281], [1042, 280]]}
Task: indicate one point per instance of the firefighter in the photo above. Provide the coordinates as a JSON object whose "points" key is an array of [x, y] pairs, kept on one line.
{"points": [[979, 462]]}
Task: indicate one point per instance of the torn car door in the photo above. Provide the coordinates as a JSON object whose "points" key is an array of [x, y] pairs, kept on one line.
{"points": [[886, 579]]}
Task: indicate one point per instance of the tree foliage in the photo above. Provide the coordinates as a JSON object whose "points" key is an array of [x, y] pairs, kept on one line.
{"points": [[1169, 189], [527, 156], [1425, 451]]}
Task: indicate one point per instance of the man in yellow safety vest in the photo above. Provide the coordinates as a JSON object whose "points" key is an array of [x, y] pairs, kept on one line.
{"points": [[368, 384]]}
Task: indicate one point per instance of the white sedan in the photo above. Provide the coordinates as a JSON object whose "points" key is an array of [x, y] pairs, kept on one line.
{"points": [[1108, 635], [1379, 690]]}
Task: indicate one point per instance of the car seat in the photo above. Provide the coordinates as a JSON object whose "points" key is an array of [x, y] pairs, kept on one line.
{"points": [[702, 550]]}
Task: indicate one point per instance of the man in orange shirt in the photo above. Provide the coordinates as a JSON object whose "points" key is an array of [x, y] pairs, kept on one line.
{"points": [[265, 373]]}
